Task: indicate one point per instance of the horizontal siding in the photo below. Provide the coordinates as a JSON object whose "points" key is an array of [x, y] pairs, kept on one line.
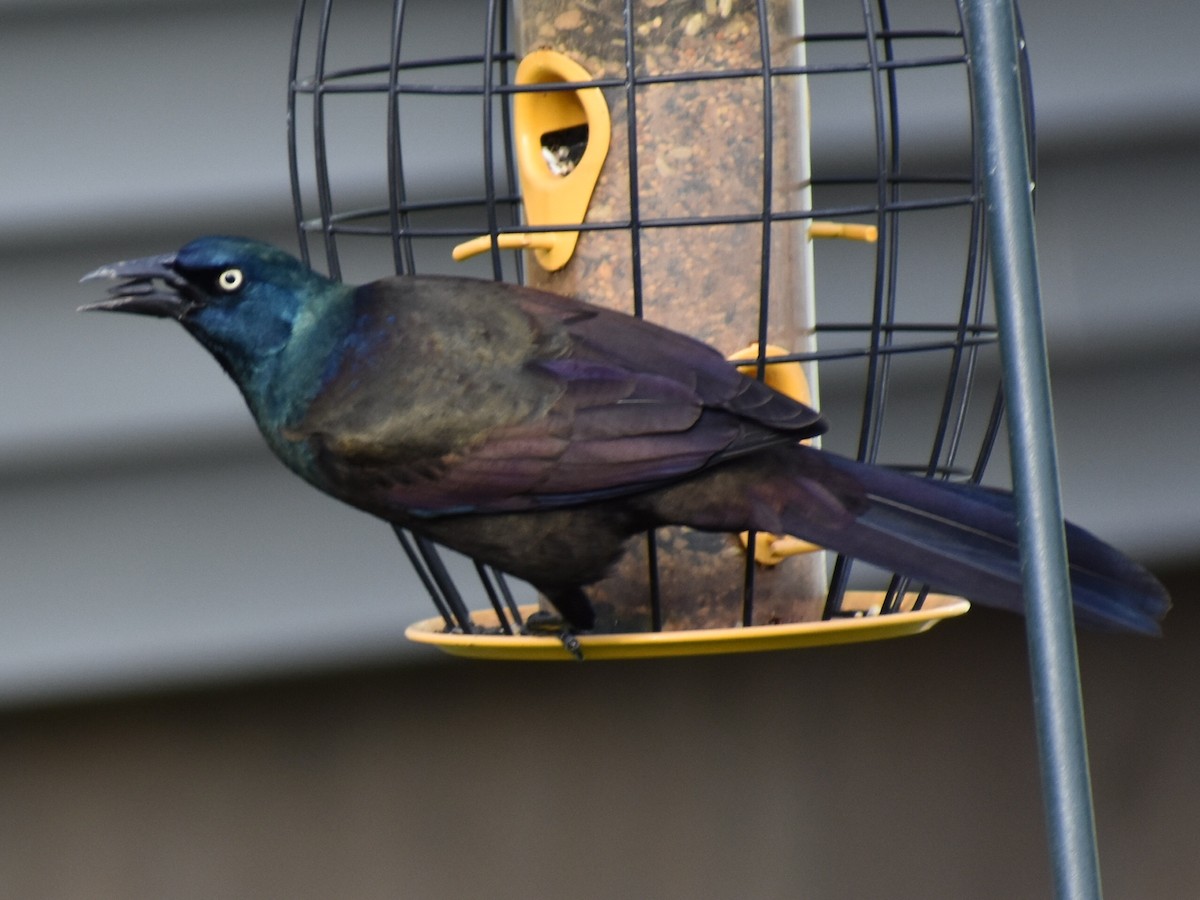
{"points": [[144, 534]]}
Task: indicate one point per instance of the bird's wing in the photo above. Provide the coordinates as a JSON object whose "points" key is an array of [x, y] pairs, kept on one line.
{"points": [[612, 338], [455, 395]]}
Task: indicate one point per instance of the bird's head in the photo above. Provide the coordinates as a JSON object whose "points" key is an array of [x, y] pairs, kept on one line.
{"points": [[241, 298]]}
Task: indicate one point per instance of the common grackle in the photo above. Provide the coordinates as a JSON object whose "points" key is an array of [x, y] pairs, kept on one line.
{"points": [[537, 433]]}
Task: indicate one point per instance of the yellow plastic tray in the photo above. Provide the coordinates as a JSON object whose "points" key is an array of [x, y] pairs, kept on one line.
{"points": [[698, 642]]}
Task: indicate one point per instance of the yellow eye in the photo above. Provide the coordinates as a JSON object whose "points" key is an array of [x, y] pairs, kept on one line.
{"points": [[230, 280]]}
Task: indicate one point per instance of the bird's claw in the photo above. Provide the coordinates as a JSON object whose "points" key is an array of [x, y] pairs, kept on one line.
{"points": [[571, 643], [547, 623]]}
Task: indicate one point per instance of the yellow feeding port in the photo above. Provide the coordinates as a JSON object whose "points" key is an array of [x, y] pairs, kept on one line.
{"points": [[562, 138]]}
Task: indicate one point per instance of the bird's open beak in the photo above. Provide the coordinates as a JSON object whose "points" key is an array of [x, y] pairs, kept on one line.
{"points": [[151, 287]]}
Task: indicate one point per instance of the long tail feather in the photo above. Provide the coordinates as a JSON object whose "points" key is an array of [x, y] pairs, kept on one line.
{"points": [[964, 539]]}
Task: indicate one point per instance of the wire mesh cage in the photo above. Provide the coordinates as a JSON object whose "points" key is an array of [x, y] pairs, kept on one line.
{"points": [[795, 182]]}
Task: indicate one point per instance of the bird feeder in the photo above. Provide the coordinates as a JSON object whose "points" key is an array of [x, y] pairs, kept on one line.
{"points": [[679, 160]]}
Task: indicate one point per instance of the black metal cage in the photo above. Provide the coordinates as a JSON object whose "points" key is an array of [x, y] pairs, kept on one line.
{"points": [[847, 114]]}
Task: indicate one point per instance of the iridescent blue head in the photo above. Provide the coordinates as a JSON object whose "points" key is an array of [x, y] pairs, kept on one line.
{"points": [[241, 298]]}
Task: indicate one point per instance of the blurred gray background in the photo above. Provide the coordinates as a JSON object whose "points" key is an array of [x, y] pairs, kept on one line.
{"points": [[204, 685]]}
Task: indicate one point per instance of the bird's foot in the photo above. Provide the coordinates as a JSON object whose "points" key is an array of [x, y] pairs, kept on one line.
{"points": [[547, 623]]}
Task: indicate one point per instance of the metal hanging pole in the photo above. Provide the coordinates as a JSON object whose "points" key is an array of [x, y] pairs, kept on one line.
{"points": [[1058, 704]]}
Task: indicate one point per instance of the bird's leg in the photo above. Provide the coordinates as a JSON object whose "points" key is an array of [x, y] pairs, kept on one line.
{"points": [[544, 622], [573, 614]]}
